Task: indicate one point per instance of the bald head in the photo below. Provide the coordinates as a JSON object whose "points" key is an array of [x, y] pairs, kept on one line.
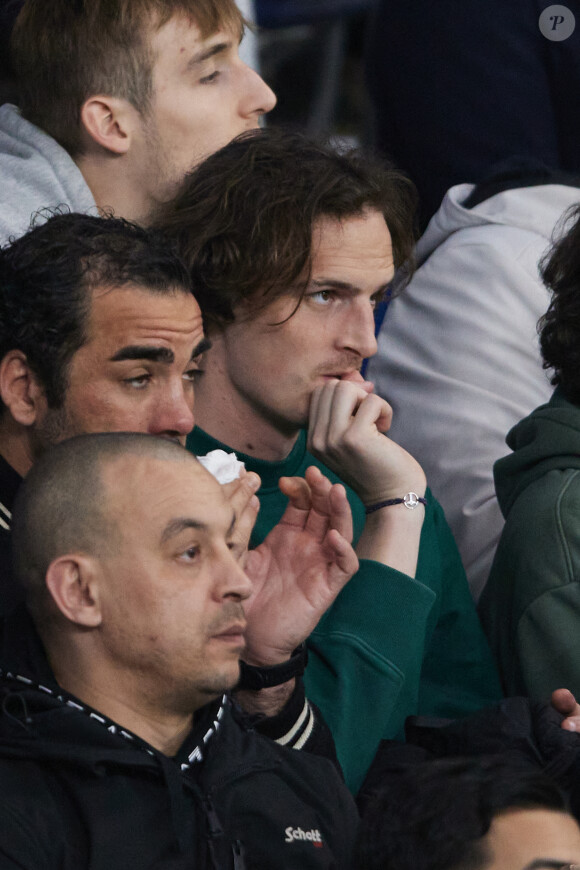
{"points": [[64, 506], [126, 546]]}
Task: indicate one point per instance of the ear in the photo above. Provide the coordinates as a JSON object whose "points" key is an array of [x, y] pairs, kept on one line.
{"points": [[72, 580], [110, 122], [19, 388]]}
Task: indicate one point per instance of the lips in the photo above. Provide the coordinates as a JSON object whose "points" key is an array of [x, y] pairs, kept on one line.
{"points": [[355, 377], [344, 376], [234, 631]]}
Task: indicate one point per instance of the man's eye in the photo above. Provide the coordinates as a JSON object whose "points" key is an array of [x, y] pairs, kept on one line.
{"points": [[192, 374], [190, 554], [207, 80], [139, 382], [322, 297]]}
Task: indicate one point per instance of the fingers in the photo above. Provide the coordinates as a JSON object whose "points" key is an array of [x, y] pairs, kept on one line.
{"points": [[241, 495], [297, 490], [316, 505], [330, 499], [299, 501], [309, 506], [328, 401], [345, 562], [374, 411], [339, 406], [357, 378], [564, 702]]}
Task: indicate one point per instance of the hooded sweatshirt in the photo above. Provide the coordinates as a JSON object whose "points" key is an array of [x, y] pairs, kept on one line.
{"points": [[80, 791], [35, 173], [531, 605], [458, 356]]}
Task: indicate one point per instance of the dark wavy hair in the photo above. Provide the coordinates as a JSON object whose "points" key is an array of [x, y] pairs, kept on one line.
{"points": [[560, 327], [46, 279], [243, 219], [435, 814]]}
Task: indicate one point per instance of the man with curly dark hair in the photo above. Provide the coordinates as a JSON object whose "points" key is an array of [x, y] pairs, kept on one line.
{"points": [[484, 813], [98, 331], [531, 606], [290, 246]]}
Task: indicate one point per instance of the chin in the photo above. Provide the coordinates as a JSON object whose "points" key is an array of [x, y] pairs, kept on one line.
{"points": [[223, 680]]}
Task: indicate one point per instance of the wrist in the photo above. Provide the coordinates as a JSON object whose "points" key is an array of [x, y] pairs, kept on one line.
{"points": [[410, 501], [255, 678], [266, 702]]}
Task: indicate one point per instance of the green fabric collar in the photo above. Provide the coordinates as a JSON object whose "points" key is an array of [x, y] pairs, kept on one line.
{"points": [[200, 443]]}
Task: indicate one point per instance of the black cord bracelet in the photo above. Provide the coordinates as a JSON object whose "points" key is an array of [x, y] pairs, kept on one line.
{"points": [[411, 500]]}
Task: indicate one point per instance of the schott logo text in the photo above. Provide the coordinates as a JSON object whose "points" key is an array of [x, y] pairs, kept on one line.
{"points": [[314, 836]]}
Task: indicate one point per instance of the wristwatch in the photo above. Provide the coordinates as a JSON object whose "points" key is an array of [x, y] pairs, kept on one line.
{"points": [[254, 678]]}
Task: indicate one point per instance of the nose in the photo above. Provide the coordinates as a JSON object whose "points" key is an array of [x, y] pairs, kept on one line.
{"points": [[232, 581], [359, 329], [257, 98], [173, 415]]}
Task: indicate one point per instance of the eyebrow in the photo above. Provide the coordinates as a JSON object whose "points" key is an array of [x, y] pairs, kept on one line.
{"points": [[552, 864], [182, 524], [138, 351], [201, 347], [207, 53], [156, 354]]}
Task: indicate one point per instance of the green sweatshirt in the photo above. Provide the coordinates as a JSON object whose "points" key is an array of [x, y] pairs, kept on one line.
{"points": [[531, 604], [391, 646]]}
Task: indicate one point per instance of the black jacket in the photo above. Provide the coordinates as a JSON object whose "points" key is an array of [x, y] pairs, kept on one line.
{"points": [[76, 791], [11, 593], [525, 732]]}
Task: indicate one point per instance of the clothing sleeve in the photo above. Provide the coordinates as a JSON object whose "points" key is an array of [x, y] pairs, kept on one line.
{"points": [[365, 662], [299, 725], [459, 362], [459, 675], [548, 642], [531, 605]]}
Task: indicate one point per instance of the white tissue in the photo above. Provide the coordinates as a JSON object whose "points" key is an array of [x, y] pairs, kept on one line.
{"points": [[225, 467]]}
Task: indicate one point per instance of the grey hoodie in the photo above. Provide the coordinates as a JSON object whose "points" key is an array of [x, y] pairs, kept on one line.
{"points": [[458, 355], [35, 173]]}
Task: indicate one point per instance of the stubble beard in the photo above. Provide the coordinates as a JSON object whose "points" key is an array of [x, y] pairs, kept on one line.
{"points": [[58, 425]]}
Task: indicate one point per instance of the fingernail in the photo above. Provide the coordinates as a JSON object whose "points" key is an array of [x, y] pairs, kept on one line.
{"points": [[254, 481]]}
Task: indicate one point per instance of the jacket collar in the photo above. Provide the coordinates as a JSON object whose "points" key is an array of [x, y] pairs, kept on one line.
{"points": [[10, 481], [24, 668]]}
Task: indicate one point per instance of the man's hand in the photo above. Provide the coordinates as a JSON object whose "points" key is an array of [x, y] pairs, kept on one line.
{"points": [[244, 501], [347, 432], [299, 569], [565, 703]]}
